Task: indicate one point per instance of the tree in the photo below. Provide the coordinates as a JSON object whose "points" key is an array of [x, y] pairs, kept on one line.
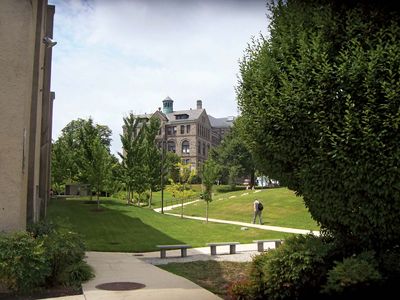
{"points": [[180, 189], [233, 157], [209, 174], [152, 156], [97, 166], [68, 156], [319, 102], [132, 155]]}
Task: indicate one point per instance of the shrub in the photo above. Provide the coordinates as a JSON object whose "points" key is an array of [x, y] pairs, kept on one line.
{"points": [[62, 250], [295, 270], [23, 263], [41, 228], [241, 290], [356, 274], [76, 273], [45, 255]]}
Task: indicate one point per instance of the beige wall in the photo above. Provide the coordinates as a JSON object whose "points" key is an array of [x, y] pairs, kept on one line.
{"points": [[21, 84]]}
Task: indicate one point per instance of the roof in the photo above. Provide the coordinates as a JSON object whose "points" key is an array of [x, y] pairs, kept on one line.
{"points": [[193, 114], [221, 122]]}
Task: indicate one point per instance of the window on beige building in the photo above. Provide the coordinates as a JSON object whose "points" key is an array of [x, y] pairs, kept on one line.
{"points": [[187, 128], [182, 129], [171, 146], [199, 148], [185, 147]]}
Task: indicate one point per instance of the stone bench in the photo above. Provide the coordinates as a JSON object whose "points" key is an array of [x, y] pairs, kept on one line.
{"points": [[164, 248], [260, 244], [232, 247]]}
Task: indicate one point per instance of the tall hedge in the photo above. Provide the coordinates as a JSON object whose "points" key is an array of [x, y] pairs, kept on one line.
{"points": [[320, 99]]}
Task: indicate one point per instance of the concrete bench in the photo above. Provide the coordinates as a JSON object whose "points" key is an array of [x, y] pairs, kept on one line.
{"points": [[164, 248], [232, 247], [260, 244]]}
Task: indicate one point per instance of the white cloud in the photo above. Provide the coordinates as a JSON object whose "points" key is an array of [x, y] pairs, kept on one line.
{"points": [[113, 57]]}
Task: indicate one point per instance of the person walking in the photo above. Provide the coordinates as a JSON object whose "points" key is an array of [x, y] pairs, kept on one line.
{"points": [[257, 207]]}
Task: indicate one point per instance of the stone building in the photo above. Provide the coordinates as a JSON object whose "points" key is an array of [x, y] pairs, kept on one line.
{"points": [[189, 133], [26, 110]]}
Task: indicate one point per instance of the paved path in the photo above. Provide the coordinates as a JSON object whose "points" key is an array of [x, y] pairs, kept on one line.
{"points": [[243, 224]]}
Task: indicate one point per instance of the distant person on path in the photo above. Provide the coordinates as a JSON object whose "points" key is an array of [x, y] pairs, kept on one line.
{"points": [[257, 207]]}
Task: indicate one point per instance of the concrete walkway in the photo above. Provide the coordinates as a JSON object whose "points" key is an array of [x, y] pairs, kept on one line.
{"points": [[243, 224], [125, 267]]}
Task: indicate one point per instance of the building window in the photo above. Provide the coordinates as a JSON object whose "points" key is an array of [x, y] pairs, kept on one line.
{"points": [[169, 130], [199, 148], [185, 147], [186, 161], [204, 149], [182, 129], [187, 128], [174, 130], [171, 146]]}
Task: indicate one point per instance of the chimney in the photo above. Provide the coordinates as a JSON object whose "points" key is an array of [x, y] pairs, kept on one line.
{"points": [[199, 104]]}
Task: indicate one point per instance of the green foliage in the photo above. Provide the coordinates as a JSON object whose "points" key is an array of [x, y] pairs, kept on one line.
{"points": [[23, 262], [44, 256], [241, 290], [233, 157], [133, 155], [62, 250], [210, 174], [295, 270], [320, 107], [68, 155], [76, 273], [353, 274]]}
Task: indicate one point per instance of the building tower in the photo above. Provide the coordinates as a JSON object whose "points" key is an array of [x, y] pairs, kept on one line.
{"points": [[168, 105]]}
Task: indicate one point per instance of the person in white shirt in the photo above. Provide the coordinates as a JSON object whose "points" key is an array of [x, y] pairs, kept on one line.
{"points": [[257, 212]]}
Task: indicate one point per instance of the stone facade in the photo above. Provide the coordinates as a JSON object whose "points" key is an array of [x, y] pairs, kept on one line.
{"points": [[190, 133], [26, 111]]}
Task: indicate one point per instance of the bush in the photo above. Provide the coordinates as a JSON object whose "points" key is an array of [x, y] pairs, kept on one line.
{"points": [[23, 262], [62, 250], [44, 256], [354, 275], [295, 270], [73, 275], [41, 228], [241, 290]]}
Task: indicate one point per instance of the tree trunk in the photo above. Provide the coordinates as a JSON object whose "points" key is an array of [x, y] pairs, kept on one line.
{"points": [[207, 212], [151, 197], [182, 208], [98, 197]]}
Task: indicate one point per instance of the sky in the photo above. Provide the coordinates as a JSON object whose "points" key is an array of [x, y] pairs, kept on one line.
{"points": [[114, 57]]}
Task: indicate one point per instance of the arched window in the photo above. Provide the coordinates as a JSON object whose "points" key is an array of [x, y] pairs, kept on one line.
{"points": [[171, 146], [185, 147]]}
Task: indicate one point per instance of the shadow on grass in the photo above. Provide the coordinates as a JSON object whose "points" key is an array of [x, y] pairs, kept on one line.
{"points": [[114, 228]]}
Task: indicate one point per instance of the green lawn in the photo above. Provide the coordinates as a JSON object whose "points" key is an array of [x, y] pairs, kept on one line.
{"points": [[215, 276], [281, 208], [119, 227]]}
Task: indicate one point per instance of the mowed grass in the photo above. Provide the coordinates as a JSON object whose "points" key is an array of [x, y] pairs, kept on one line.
{"points": [[215, 276], [281, 208], [126, 228]]}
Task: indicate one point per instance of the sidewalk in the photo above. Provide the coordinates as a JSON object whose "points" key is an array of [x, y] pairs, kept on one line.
{"points": [[243, 224], [159, 284], [125, 267]]}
